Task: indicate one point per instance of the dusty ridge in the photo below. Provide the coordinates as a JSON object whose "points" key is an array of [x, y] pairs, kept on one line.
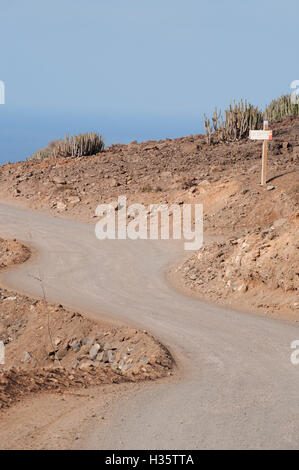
{"points": [[152, 171], [49, 348]]}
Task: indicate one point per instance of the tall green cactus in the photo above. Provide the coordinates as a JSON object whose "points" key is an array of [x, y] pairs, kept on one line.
{"points": [[75, 146], [281, 108], [208, 129], [238, 119]]}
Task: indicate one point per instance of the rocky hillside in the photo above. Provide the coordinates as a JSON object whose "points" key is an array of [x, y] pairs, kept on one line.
{"points": [[250, 231], [48, 347], [155, 171], [258, 269]]}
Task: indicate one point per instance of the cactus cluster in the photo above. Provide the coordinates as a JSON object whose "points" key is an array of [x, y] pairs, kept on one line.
{"points": [[281, 108], [41, 154], [238, 119], [74, 146]]}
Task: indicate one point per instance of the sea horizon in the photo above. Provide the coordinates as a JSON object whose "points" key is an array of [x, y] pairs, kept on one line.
{"points": [[23, 132]]}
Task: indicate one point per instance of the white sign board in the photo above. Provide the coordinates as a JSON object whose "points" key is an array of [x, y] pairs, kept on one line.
{"points": [[260, 135]]}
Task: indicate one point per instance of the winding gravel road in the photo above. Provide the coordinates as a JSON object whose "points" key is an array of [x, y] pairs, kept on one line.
{"points": [[237, 387]]}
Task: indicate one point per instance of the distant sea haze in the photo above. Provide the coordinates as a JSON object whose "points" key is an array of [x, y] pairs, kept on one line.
{"points": [[24, 132]]}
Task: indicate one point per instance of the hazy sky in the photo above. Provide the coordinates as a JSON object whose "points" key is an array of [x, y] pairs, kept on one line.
{"points": [[137, 68]]}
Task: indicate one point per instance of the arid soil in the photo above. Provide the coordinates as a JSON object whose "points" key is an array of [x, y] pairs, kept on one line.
{"points": [[259, 269], [49, 348], [160, 171], [12, 252], [250, 232]]}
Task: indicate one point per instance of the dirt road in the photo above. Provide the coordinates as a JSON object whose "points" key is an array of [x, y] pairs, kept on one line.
{"points": [[238, 388]]}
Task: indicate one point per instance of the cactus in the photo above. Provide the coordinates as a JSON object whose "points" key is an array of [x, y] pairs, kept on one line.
{"points": [[208, 129], [238, 119], [215, 118], [281, 108], [75, 146]]}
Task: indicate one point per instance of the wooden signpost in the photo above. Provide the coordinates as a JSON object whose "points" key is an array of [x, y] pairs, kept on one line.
{"points": [[264, 135]]}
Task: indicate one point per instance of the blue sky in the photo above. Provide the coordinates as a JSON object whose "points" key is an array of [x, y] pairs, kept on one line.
{"points": [[136, 69]]}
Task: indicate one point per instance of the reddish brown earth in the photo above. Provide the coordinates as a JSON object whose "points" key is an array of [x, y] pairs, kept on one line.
{"points": [[157, 171], [224, 177], [49, 348], [12, 252], [259, 269]]}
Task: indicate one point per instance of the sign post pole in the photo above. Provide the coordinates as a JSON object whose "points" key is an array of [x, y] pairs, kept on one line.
{"points": [[264, 157], [265, 135]]}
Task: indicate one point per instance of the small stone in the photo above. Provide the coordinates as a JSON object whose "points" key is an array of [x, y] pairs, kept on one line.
{"points": [[62, 353], [243, 288], [26, 357], [58, 180], [93, 352], [76, 345], [60, 206], [113, 183], [114, 345], [100, 356], [280, 222], [115, 205], [144, 360], [111, 356], [86, 365], [73, 200], [87, 341]]}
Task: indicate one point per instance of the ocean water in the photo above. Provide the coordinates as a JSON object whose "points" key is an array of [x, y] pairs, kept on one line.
{"points": [[22, 132]]}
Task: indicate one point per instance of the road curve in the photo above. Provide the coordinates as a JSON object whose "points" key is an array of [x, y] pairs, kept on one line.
{"points": [[238, 388]]}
